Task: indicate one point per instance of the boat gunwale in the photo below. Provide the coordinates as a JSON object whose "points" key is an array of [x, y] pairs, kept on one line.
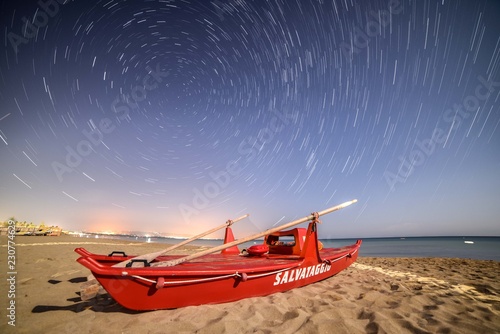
{"points": [[203, 268]]}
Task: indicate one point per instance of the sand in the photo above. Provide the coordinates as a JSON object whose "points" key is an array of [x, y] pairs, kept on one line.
{"points": [[375, 295]]}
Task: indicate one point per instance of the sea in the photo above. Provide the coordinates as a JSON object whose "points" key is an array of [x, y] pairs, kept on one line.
{"points": [[477, 248]]}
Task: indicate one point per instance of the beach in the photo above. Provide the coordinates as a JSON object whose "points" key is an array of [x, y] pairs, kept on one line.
{"points": [[375, 295]]}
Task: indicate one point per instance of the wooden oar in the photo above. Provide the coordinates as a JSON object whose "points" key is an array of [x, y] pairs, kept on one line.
{"points": [[252, 237], [91, 288], [151, 256]]}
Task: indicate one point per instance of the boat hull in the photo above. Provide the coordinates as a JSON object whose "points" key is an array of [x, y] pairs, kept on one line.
{"points": [[216, 278]]}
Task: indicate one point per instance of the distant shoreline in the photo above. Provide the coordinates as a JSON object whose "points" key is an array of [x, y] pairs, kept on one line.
{"points": [[145, 236], [477, 248]]}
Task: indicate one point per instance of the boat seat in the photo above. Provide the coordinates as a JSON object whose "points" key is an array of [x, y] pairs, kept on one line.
{"points": [[286, 242]]}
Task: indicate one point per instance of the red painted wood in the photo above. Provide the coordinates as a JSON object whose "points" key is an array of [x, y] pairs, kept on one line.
{"points": [[218, 278]]}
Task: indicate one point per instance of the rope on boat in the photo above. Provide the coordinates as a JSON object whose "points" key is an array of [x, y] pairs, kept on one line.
{"points": [[160, 283], [243, 277], [139, 277], [271, 273], [199, 280], [183, 282], [344, 256]]}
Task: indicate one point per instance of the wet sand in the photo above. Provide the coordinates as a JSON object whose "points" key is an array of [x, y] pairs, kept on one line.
{"points": [[375, 295]]}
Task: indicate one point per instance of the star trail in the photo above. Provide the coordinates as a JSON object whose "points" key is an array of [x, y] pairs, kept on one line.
{"points": [[173, 116]]}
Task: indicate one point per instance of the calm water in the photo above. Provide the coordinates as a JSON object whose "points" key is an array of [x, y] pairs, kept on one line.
{"points": [[482, 248]]}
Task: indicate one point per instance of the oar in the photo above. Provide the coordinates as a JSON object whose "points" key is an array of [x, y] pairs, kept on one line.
{"points": [[89, 289], [252, 237], [151, 256]]}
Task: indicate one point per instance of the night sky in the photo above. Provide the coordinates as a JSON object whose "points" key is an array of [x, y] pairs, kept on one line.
{"points": [[174, 116]]}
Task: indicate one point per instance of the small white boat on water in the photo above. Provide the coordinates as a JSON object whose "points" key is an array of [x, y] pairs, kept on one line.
{"points": [[468, 242]]}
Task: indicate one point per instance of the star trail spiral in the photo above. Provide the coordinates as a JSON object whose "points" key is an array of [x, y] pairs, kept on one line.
{"points": [[173, 116]]}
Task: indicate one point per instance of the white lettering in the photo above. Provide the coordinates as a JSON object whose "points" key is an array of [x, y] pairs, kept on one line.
{"points": [[316, 272], [278, 275], [301, 273], [291, 279], [285, 278]]}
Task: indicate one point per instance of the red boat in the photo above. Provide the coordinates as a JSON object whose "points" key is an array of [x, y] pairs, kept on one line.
{"points": [[286, 260]]}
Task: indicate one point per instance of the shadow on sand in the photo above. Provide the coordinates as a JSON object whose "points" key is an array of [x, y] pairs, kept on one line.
{"points": [[101, 303]]}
